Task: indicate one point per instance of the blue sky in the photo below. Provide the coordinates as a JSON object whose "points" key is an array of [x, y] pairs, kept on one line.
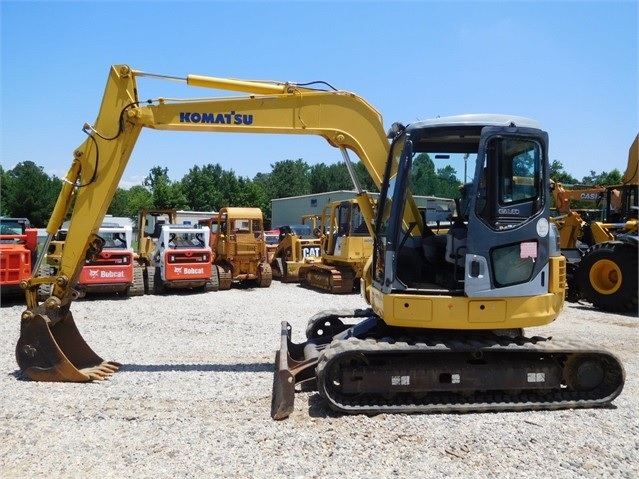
{"points": [[570, 65]]}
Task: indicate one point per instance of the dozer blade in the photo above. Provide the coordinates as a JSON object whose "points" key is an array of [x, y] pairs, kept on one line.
{"points": [[283, 397], [58, 353], [291, 273], [294, 363]]}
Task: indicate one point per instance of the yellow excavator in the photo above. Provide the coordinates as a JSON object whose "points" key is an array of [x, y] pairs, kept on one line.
{"points": [[444, 326]]}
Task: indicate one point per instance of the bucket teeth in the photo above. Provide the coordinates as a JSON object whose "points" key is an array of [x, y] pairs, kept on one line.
{"points": [[57, 352], [101, 371]]}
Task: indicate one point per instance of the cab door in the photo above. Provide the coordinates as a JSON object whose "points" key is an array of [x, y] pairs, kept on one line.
{"points": [[508, 228]]}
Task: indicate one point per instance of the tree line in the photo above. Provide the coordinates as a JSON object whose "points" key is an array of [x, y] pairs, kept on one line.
{"points": [[27, 191]]}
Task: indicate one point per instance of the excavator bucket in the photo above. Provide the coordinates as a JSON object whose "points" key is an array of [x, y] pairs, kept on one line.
{"points": [[58, 353]]}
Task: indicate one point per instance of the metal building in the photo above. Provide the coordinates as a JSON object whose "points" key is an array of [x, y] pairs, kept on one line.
{"points": [[288, 211]]}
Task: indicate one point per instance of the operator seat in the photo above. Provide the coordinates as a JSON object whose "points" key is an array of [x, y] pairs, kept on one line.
{"points": [[456, 243]]}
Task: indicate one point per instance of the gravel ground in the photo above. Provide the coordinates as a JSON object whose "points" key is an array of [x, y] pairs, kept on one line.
{"points": [[193, 400]]}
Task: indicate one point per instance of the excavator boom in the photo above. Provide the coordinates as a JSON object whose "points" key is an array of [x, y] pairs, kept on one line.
{"points": [[50, 346]]}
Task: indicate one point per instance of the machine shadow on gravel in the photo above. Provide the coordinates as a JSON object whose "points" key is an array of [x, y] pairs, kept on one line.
{"points": [[219, 368], [158, 368], [590, 308]]}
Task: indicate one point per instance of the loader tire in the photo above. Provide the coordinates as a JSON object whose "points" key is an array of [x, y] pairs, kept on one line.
{"points": [[607, 276]]}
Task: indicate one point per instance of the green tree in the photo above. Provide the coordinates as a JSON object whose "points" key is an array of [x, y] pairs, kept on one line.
{"points": [[263, 180], [253, 194], [446, 183], [202, 188], [229, 187], [289, 178], [425, 181], [166, 194], [129, 202], [333, 177], [4, 181], [368, 184], [423, 175], [30, 193], [118, 206], [138, 198], [603, 178], [558, 174]]}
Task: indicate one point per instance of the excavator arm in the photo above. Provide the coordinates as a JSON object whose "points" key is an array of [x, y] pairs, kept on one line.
{"points": [[50, 348]]}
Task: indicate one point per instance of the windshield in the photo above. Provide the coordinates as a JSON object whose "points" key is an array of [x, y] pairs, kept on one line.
{"points": [[9, 227], [427, 161], [441, 166], [516, 162], [187, 239], [113, 240]]}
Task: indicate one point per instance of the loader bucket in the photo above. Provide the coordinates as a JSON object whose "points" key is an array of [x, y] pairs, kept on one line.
{"points": [[58, 353]]}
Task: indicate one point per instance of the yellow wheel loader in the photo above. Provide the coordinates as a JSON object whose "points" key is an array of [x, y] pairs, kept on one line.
{"points": [[443, 327], [602, 255]]}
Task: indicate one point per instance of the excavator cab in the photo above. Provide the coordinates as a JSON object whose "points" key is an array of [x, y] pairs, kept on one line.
{"points": [[498, 246], [445, 328]]}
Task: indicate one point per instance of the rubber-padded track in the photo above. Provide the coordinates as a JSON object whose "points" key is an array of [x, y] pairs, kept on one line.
{"points": [[372, 351]]}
